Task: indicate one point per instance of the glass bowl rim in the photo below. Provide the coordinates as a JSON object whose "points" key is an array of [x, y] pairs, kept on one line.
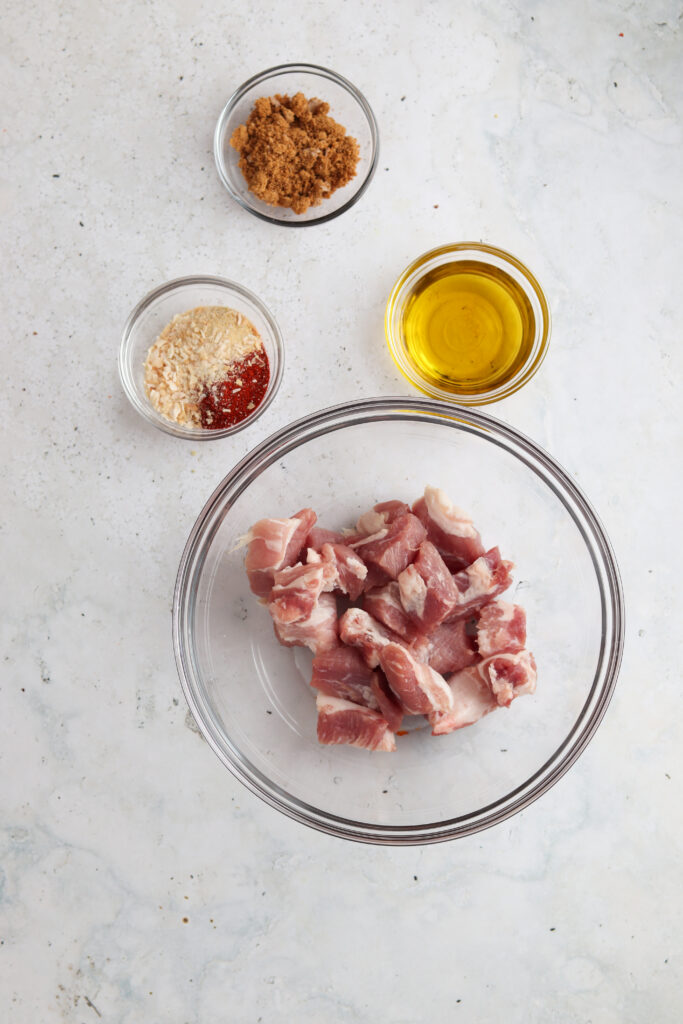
{"points": [[262, 76], [143, 408], [529, 368], [527, 451]]}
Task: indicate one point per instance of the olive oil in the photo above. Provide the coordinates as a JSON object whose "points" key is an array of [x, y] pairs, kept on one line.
{"points": [[468, 327]]}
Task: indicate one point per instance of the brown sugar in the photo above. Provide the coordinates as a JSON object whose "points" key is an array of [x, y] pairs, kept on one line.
{"points": [[292, 153]]}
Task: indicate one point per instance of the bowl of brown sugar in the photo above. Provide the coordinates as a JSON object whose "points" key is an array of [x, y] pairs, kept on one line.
{"points": [[201, 357], [296, 145]]}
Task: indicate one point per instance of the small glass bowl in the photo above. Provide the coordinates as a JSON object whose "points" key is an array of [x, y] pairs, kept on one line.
{"points": [[158, 308], [477, 253], [348, 107]]}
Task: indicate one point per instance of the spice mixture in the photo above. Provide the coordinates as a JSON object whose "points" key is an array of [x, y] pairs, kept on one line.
{"points": [[292, 154], [208, 368], [235, 396]]}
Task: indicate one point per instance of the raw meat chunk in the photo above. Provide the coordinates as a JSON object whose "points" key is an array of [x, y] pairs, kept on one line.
{"points": [[472, 699], [384, 604], [318, 631], [275, 544], [412, 591], [389, 705], [427, 590], [380, 516], [319, 536], [375, 578], [449, 648], [340, 721], [341, 672], [501, 627], [393, 547], [295, 592], [450, 530], [509, 675], [358, 629], [350, 571], [327, 567], [421, 648], [432, 636], [480, 582], [418, 687]]}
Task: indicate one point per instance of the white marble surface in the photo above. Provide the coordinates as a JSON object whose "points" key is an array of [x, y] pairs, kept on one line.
{"points": [[139, 880]]}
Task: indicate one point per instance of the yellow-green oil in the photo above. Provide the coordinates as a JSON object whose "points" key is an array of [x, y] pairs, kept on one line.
{"points": [[468, 327]]}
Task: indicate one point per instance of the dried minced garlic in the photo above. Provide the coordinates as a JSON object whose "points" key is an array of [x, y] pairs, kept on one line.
{"points": [[194, 352]]}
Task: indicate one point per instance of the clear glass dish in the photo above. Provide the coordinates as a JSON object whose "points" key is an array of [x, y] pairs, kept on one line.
{"points": [[251, 697], [473, 252], [348, 107], [158, 308]]}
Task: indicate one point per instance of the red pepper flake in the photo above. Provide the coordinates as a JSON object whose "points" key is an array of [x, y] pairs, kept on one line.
{"points": [[237, 395]]}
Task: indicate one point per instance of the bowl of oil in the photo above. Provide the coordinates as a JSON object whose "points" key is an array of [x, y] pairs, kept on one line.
{"points": [[467, 323]]}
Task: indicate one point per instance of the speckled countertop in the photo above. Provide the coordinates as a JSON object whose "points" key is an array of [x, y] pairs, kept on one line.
{"points": [[139, 880]]}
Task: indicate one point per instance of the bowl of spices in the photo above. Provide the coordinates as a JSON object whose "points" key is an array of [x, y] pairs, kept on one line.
{"points": [[467, 323], [296, 145], [201, 357]]}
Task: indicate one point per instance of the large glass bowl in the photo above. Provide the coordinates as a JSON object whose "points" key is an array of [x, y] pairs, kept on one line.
{"points": [[251, 697], [348, 107]]}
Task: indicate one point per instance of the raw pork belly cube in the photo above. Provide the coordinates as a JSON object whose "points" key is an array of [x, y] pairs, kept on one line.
{"points": [[472, 699], [480, 582], [319, 631], [418, 687], [426, 588], [389, 705], [510, 675], [275, 544], [295, 592], [341, 672], [380, 516], [393, 547], [384, 604], [343, 571], [375, 578], [358, 629], [449, 648], [449, 529], [319, 536], [340, 721], [421, 648], [501, 627], [350, 571]]}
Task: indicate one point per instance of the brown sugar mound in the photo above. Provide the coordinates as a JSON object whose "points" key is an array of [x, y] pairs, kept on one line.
{"points": [[292, 154]]}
